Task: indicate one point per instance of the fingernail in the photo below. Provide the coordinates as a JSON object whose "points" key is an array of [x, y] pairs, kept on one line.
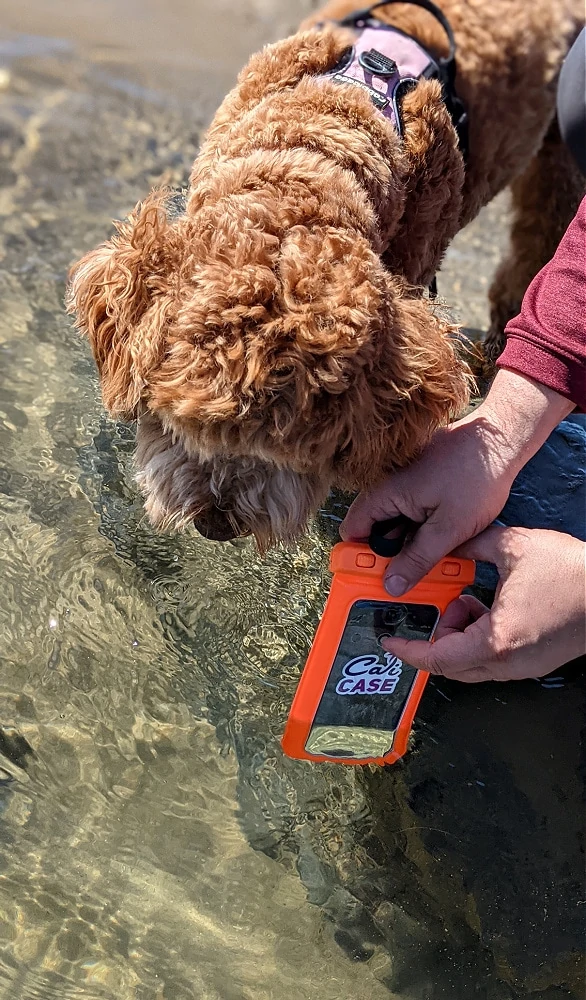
{"points": [[396, 585]]}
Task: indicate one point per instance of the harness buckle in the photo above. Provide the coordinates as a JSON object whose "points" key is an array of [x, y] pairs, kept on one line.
{"points": [[443, 69], [375, 62]]}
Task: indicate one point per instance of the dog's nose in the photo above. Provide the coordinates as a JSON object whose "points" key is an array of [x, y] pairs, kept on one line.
{"points": [[216, 526]]}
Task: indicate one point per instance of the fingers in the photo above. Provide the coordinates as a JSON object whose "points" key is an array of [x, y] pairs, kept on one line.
{"points": [[416, 652], [459, 615], [365, 510], [429, 544], [461, 655]]}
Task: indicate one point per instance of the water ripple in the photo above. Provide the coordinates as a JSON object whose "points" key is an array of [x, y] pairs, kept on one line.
{"points": [[155, 843]]}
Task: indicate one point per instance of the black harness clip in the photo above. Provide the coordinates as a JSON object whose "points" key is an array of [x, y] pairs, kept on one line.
{"points": [[446, 66]]}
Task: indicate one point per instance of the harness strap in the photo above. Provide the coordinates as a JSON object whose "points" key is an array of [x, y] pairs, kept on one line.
{"points": [[386, 63], [363, 15], [388, 75], [442, 68]]}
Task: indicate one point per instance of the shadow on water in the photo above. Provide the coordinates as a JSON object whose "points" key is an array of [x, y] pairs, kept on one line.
{"points": [[154, 842]]}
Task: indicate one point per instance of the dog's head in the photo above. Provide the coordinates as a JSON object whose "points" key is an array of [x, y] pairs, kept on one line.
{"points": [[264, 347]]}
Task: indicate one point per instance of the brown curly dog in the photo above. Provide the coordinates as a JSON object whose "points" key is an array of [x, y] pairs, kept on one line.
{"points": [[273, 339]]}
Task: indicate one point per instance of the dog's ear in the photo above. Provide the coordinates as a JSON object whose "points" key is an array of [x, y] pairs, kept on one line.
{"points": [[434, 181], [420, 381], [120, 294]]}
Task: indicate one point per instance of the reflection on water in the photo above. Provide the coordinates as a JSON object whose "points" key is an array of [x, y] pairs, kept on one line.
{"points": [[154, 842]]}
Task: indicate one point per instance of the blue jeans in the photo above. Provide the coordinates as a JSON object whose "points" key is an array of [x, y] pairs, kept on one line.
{"points": [[550, 492]]}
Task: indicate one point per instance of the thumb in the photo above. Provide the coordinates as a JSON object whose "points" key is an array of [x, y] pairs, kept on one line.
{"points": [[429, 544]]}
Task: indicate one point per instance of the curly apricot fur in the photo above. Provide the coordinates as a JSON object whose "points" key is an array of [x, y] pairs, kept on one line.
{"points": [[272, 339]]}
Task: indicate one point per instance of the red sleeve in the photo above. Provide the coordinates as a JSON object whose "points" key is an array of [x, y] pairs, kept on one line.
{"points": [[547, 340]]}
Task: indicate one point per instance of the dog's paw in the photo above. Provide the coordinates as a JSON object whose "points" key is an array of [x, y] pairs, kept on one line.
{"points": [[482, 359], [493, 344]]}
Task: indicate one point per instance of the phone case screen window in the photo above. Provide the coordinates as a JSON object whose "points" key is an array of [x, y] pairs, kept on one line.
{"points": [[367, 688]]}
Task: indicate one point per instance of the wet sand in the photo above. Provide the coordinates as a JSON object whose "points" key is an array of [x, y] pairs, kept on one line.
{"points": [[154, 842]]}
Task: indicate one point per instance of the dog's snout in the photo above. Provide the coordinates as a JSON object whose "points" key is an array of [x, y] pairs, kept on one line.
{"points": [[216, 525]]}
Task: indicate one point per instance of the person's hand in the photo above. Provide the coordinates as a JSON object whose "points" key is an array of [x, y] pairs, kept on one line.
{"points": [[536, 624], [455, 489], [462, 480]]}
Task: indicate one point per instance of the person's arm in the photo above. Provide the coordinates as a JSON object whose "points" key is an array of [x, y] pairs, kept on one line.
{"points": [[547, 340], [462, 480]]}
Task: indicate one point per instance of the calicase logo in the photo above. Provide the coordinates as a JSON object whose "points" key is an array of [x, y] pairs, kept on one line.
{"points": [[369, 675]]}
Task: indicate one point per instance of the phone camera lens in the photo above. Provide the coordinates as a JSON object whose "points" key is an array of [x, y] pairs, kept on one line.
{"points": [[395, 615]]}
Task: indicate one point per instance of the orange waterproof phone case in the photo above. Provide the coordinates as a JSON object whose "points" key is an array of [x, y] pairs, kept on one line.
{"points": [[355, 703]]}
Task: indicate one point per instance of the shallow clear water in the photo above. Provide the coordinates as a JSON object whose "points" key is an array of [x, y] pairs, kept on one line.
{"points": [[154, 843]]}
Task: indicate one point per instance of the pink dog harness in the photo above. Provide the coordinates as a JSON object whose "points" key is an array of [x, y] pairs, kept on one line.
{"points": [[387, 63]]}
